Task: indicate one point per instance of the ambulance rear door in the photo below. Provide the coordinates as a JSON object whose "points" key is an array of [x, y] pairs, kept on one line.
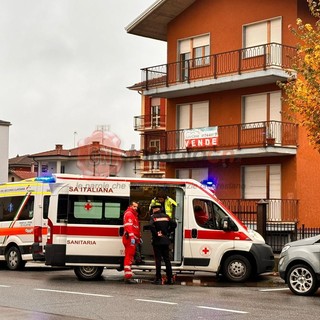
{"points": [[94, 223]]}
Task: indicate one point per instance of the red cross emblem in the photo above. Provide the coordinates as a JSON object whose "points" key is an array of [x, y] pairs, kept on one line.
{"points": [[204, 251], [88, 206]]}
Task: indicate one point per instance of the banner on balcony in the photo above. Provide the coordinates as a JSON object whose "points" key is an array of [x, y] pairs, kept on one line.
{"points": [[201, 137]]}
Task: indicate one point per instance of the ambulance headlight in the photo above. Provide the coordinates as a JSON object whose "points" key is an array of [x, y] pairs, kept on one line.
{"points": [[256, 235]]}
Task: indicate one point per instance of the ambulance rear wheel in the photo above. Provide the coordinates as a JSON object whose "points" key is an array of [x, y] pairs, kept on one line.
{"points": [[237, 268], [13, 259], [88, 273]]}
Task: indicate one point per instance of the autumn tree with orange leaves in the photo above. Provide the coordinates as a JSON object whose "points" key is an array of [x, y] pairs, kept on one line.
{"points": [[303, 88]]}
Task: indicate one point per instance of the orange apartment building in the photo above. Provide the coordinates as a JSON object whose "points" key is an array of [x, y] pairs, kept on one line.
{"points": [[213, 109]]}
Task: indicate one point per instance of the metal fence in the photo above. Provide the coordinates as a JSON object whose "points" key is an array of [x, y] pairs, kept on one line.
{"points": [[281, 225]]}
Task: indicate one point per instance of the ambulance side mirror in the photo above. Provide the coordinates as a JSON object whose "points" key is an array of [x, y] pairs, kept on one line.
{"points": [[225, 224]]}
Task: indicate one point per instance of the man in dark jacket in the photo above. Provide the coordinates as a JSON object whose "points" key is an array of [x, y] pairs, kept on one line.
{"points": [[161, 225]]}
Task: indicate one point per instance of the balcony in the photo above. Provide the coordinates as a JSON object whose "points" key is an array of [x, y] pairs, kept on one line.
{"points": [[240, 68], [149, 122], [266, 138]]}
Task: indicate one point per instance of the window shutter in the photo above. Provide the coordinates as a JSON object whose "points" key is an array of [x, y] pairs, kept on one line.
{"points": [[201, 41], [255, 185], [276, 30], [185, 46], [200, 115], [255, 108], [275, 181], [256, 34], [200, 174], [183, 117]]}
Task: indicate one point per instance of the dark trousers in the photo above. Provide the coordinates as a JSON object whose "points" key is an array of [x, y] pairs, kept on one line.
{"points": [[162, 252]]}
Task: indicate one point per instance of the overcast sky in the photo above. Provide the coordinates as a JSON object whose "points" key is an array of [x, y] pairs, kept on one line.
{"points": [[65, 68]]}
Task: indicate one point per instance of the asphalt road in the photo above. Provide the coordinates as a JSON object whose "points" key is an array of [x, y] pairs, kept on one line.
{"points": [[42, 293]]}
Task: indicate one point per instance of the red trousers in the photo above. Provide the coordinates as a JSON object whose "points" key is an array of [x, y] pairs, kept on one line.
{"points": [[129, 252]]}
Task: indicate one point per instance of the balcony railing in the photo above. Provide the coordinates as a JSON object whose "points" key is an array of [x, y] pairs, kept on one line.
{"points": [[152, 122], [278, 210], [237, 136], [262, 57]]}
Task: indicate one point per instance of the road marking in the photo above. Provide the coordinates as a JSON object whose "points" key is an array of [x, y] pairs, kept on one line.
{"points": [[219, 309], [275, 289], [156, 301], [4, 286], [74, 292]]}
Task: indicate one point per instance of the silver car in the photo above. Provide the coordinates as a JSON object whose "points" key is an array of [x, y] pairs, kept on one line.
{"points": [[299, 265]]}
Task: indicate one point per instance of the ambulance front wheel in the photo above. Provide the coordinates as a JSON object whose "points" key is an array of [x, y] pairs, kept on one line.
{"points": [[88, 273], [237, 268], [13, 259]]}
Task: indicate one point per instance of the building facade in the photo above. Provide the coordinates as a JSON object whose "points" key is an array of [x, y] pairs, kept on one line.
{"points": [[221, 113], [4, 154]]}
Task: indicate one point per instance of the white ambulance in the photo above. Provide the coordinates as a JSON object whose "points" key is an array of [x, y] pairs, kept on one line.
{"points": [[85, 228], [23, 221]]}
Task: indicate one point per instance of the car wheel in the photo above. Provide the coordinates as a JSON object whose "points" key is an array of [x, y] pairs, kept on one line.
{"points": [[237, 268], [13, 259], [88, 273], [302, 280]]}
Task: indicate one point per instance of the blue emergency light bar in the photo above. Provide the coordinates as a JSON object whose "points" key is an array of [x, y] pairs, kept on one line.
{"points": [[209, 184], [47, 179]]}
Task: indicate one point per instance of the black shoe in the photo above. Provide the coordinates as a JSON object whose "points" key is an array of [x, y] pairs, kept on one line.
{"points": [[129, 281], [168, 282], [157, 282], [139, 262]]}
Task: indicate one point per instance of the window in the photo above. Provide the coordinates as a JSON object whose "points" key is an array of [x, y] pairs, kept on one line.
{"points": [[198, 174], [190, 116], [259, 109], [262, 182], [257, 35], [155, 116], [154, 165], [46, 201], [209, 215], [194, 115], [20, 208], [154, 146], [85, 209], [193, 52]]}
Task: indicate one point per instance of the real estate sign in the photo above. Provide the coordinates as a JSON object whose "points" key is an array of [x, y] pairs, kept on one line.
{"points": [[201, 137]]}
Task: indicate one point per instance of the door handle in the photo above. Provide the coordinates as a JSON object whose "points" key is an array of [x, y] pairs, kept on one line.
{"points": [[194, 233]]}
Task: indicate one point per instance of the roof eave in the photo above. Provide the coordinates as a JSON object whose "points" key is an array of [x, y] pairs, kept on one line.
{"points": [[153, 22]]}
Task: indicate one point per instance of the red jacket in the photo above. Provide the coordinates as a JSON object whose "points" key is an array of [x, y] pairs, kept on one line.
{"points": [[131, 224]]}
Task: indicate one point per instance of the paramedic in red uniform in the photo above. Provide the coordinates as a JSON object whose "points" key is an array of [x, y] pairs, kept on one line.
{"points": [[130, 238]]}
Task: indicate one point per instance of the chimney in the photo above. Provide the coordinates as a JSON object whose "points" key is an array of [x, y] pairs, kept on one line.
{"points": [[59, 148], [96, 144]]}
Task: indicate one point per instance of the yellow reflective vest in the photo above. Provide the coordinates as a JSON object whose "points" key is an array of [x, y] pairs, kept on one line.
{"points": [[168, 205]]}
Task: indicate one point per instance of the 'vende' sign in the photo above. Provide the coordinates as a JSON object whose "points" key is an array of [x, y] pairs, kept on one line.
{"points": [[201, 137]]}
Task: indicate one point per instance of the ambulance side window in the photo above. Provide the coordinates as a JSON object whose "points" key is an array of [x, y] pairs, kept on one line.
{"points": [[62, 213], [208, 214], [9, 208], [46, 201], [88, 209]]}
